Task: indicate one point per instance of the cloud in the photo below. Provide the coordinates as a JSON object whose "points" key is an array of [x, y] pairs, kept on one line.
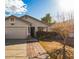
{"points": [[15, 7]]}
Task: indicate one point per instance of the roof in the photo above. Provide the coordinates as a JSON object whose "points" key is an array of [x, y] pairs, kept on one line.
{"points": [[33, 18], [17, 18], [67, 25], [26, 16]]}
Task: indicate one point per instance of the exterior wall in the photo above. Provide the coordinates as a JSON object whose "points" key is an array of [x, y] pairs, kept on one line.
{"points": [[50, 29], [17, 31]]}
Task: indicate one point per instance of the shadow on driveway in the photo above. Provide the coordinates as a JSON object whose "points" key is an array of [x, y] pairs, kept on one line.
{"points": [[14, 41], [18, 41]]}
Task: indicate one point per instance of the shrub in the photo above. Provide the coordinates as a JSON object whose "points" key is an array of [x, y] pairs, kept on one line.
{"points": [[46, 35]]}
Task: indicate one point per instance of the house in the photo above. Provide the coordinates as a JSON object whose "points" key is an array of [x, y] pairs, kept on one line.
{"points": [[67, 26], [22, 27]]}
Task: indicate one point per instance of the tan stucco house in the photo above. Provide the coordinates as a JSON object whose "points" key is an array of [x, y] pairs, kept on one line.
{"points": [[22, 27]]}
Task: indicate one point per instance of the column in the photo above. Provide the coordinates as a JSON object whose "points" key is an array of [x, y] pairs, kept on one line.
{"points": [[36, 29], [46, 29]]}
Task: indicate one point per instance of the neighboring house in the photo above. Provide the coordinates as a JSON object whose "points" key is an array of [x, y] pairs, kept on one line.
{"points": [[66, 25], [22, 27]]}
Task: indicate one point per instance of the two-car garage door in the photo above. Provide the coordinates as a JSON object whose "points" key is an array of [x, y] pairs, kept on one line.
{"points": [[16, 33]]}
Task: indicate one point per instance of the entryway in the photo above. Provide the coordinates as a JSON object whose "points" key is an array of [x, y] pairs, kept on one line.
{"points": [[32, 31]]}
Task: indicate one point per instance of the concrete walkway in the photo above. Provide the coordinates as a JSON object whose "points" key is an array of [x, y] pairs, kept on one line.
{"points": [[17, 51], [28, 50]]}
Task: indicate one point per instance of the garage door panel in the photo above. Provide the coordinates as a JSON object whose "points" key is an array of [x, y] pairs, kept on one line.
{"points": [[16, 33]]}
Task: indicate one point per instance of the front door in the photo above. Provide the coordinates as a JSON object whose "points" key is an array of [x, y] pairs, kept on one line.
{"points": [[32, 31]]}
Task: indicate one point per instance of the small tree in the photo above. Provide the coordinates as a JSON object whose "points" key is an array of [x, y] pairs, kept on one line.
{"points": [[47, 19]]}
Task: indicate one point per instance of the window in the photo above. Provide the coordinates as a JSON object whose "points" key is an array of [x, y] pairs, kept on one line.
{"points": [[40, 28], [12, 21]]}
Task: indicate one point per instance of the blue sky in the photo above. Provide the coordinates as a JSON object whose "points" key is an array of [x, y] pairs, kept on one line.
{"points": [[35, 8], [39, 8]]}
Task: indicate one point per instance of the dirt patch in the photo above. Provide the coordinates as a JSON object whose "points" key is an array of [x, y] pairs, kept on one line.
{"points": [[53, 48]]}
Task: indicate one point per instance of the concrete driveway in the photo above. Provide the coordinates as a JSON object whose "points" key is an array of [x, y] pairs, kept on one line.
{"points": [[28, 50]]}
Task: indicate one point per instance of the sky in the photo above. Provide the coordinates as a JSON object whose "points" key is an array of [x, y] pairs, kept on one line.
{"points": [[37, 8]]}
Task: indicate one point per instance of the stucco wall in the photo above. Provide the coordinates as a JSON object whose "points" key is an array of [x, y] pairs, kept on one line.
{"points": [[17, 31]]}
